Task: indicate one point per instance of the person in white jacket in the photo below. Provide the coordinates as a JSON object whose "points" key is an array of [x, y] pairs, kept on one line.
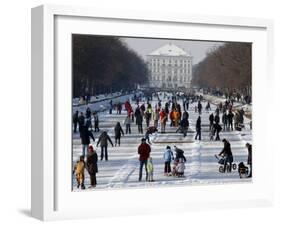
{"points": [[180, 168]]}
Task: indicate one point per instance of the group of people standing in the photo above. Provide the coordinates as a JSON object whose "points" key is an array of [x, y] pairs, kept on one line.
{"points": [[227, 155], [145, 160], [90, 164]]}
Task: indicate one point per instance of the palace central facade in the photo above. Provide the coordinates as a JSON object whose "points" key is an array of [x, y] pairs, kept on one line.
{"points": [[170, 67]]}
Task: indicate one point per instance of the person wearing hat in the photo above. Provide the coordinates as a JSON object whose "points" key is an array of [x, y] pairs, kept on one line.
{"points": [[144, 153], [168, 157], [92, 165], [79, 169]]}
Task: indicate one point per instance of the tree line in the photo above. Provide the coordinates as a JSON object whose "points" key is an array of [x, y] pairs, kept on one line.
{"points": [[104, 64], [227, 68]]}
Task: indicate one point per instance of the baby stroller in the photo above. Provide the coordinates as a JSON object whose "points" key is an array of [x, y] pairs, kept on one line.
{"points": [[221, 162], [243, 170]]}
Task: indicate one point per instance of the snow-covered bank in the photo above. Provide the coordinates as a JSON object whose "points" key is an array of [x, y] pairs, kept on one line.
{"points": [[236, 105], [97, 98], [102, 104]]}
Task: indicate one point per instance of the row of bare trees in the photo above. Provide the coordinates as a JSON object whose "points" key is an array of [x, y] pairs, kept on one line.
{"points": [[227, 67], [104, 64]]}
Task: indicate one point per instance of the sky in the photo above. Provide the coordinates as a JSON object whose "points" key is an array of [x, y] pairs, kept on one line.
{"points": [[197, 49]]}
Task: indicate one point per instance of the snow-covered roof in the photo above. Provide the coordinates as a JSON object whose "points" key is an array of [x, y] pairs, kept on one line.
{"points": [[169, 50]]}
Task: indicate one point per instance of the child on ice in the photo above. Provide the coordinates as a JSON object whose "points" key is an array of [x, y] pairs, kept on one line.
{"points": [[149, 168], [174, 168], [168, 157], [180, 168], [79, 169]]}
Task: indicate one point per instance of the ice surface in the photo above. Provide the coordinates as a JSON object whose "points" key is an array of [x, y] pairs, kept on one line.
{"points": [[122, 169]]}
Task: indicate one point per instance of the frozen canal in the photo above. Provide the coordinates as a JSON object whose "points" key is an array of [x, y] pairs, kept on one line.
{"points": [[122, 168]]}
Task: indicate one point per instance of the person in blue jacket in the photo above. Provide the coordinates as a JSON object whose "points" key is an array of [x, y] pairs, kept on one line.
{"points": [[168, 157]]}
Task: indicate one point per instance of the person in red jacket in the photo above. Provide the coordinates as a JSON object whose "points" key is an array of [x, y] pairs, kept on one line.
{"points": [[144, 152]]}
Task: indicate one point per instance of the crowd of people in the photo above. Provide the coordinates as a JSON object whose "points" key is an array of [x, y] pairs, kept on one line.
{"points": [[153, 117]]}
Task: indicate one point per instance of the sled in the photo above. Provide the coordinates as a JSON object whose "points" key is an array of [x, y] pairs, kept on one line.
{"points": [[221, 162]]}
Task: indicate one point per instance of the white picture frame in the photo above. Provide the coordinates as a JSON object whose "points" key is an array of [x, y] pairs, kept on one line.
{"points": [[52, 197]]}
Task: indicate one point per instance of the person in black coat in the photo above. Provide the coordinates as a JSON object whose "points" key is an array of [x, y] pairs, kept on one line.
{"points": [[96, 121], [226, 152], [75, 120], [224, 121], [92, 166], [208, 106], [139, 119], [187, 104], [211, 120], [119, 108], [88, 113], [198, 128], [217, 119], [217, 111], [184, 124], [85, 135], [185, 115], [110, 107], [179, 154], [249, 162], [230, 120], [81, 120], [217, 130], [118, 132], [199, 107]]}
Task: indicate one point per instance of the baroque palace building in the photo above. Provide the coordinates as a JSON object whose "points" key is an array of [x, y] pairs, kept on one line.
{"points": [[170, 67]]}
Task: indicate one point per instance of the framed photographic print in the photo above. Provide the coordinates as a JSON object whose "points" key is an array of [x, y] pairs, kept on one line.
{"points": [[131, 107]]}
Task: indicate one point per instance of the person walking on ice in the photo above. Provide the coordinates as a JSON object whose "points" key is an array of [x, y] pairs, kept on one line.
{"points": [[75, 121], [118, 132], [79, 169], [92, 166], [85, 135], [163, 120], [224, 121], [230, 119], [211, 120], [149, 168], [199, 107], [127, 123], [103, 140], [156, 117], [96, 121], [81, 120], [144, 153], [168, 157], [198, 128], [227, 154], [139, 119]]}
